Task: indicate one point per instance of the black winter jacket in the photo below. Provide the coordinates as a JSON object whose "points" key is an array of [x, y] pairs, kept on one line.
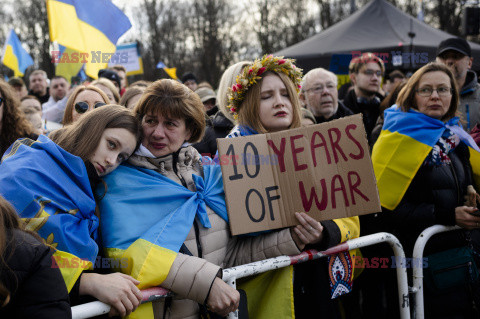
{"points": [[37, 289], [431, 199], [369, 109], [219, 128]]}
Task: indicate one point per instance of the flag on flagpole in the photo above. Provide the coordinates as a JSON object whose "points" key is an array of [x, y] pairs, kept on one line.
{"points": [[420, 11], [90, 26], [15, 56], [172, 72]]}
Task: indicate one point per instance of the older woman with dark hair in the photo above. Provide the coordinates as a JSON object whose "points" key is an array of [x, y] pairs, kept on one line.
{"points": [[423, 163], [82, 100], [170, 220], [13, 124]]}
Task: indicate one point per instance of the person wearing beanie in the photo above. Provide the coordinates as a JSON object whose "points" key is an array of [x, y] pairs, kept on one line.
{"points": [[190, 80], [457, 55], [112, 76]]}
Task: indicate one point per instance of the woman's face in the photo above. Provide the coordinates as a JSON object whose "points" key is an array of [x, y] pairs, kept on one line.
{"points": [[437, 104], [163, 135], [32, 104], [116, 145], [91, 98], [276, 113]]}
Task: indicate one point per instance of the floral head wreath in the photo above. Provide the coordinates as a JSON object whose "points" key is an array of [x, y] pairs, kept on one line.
{"points": [[252, 73]]}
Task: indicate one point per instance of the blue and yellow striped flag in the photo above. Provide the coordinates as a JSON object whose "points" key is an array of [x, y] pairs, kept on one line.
{"points": [[51, 192], [14, 55], [404, 143], [146, 218], [91, 26]]}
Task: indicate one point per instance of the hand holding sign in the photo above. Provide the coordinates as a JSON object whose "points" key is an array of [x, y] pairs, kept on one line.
{"points": [[308, 232], [324, 170]]}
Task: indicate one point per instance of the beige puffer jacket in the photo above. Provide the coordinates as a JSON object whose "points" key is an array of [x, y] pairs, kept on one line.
{"points": [[190, 277]]}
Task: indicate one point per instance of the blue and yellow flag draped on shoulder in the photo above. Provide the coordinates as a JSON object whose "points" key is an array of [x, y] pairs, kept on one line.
{"points": [[87, 26], [404, 143], [51, 192], [146, 217], [15, 56]]}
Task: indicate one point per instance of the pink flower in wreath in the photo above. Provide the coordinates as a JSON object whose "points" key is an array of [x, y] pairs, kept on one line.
{"points": [[280, 62], [261, 70]]}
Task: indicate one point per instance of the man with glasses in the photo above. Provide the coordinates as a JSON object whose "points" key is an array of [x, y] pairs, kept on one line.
{"points": [[54, 108], [319, 95], [457, 55], [366, 72]]}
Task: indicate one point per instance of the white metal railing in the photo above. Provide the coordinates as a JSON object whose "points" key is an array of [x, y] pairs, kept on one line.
{"points": [[230, 275], [418, 249]]}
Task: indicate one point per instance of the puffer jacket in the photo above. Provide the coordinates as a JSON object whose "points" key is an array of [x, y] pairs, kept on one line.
{"points": [[469, 106], [191, 277]]}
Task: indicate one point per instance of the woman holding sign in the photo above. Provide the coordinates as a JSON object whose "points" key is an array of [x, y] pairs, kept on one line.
{"points": [[264, 99], [165, 211], [429, 178]]}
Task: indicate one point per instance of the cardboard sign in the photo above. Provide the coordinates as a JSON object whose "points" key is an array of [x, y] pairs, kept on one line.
{"points": [[324, 170]]}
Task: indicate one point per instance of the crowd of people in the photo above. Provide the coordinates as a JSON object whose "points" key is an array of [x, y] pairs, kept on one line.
{"points": [[108, 188]]}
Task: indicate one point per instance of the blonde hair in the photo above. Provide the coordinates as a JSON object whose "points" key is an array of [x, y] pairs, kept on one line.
{"points": [[170, 98], [68, 116], [109, 84], [227, 80], [250, 108]]}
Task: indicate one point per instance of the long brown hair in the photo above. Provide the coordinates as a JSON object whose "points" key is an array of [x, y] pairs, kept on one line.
{"points": [[82, 137], [14, 125], [249, 111]]}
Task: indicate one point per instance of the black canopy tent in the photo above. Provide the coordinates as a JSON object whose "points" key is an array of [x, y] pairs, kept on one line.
{"points": [[378, 27]]}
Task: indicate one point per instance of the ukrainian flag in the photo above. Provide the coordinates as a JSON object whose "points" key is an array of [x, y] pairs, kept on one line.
{"points": [[91, 26], [51, 192], [14, 55], [146, 218], [404, 143]]}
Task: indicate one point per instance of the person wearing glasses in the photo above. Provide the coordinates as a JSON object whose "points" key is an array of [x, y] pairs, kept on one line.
{"points": [[320, 96], [82, 100], [366, 72], [13, 124], [425, 176]]}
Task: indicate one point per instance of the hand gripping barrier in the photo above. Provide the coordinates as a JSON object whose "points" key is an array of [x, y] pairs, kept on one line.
{"points": [[230, 275], [418, 249]]}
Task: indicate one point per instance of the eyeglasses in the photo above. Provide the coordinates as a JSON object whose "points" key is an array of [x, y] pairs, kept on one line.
{"points": [[82, 107], [369, 72], [441, 91], [320, 88]]}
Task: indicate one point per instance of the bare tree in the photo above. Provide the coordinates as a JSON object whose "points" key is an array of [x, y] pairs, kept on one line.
{"points": [[31, 24]]}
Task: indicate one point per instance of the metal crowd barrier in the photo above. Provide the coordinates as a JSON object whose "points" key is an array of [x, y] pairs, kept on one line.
{"points": [[230, 275], [418, 249]]}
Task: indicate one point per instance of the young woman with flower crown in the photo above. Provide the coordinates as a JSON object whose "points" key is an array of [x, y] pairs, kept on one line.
{"points": [[264, 99]]}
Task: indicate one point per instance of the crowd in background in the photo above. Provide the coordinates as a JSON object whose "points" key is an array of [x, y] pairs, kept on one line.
{"points": [[102, 150]]}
